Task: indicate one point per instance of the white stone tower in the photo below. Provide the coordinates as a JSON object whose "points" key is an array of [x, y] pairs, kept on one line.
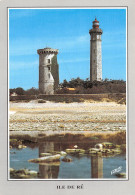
{"points": [[95, 52], [48, 70]]}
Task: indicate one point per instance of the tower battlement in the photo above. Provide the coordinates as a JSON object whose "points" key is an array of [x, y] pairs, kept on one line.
{"points": [[47, 50]]}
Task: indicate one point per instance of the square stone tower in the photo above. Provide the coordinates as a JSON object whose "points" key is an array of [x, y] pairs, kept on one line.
{"points": [[95, 52], [48, 70]]}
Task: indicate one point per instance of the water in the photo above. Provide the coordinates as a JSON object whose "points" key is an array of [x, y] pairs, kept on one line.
{"points": [[81, 167]]}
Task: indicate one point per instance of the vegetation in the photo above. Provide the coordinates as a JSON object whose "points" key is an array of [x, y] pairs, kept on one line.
{"points": [[21, 91], [80, 87], [96, 87]]}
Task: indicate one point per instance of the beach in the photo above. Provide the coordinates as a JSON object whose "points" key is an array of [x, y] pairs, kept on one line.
{"points": [[32, 118]]}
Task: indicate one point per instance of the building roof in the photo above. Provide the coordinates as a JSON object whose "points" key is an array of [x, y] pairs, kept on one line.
{"points": [[71, 89]]}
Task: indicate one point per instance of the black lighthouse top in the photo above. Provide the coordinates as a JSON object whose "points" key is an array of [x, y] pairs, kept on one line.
{"points": [[95, 28]]}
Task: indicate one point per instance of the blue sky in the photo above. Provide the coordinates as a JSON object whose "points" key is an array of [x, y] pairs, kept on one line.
{"points": [[68, 31]]}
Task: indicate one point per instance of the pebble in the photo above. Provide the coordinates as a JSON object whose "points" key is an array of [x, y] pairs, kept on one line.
{"points": [[69, 117]]}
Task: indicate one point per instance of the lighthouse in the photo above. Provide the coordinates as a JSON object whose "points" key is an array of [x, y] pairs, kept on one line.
{"points": [[95, 52]]}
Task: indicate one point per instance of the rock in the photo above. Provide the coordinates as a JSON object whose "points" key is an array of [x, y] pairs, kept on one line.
{"points": [[117, 146], [107, 151], [67, 159], [116, 150], [22, 173], [122, 175], [45, 154], [123, 147], [99, 146], [22, 176], [108, 145], [22, 146], [15, 142], [33, 173], [62, 153], [75, 146], [46, 159], [94, 151], [75, 151], [11, 170]]}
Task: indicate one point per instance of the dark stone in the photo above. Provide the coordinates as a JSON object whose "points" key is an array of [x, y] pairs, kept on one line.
{"points": [[67, 159]]}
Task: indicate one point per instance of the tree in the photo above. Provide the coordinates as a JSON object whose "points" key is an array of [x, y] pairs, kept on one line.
{"points": [[19, 91], [32, 91], [65, 83]]}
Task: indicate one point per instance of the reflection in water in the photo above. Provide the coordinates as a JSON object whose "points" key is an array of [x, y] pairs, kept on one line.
{"points": [[96, 167], [82, 166], [51, 170], [48, 171], [46, 147]]}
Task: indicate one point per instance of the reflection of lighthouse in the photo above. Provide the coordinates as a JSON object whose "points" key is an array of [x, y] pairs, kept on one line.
{"points": [[48, 171], [96, 167]]}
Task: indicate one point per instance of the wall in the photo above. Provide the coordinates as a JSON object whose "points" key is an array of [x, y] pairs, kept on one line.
{"points": [[60, 97]]}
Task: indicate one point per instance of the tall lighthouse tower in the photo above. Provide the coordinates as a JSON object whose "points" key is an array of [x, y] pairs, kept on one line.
{"points": [[95, 52]]}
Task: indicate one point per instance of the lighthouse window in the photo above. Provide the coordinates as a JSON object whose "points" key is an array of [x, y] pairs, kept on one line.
{"points": [[48, 75]]}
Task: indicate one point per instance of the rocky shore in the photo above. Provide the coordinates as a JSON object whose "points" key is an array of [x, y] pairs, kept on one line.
{"points": [[32, 118]]}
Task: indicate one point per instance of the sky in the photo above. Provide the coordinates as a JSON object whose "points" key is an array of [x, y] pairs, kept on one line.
{"points": [[68, 31]]}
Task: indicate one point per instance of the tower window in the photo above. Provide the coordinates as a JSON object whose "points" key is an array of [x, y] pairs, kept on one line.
{"points": [[48, 61], [49, 75], [49, 68]]}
